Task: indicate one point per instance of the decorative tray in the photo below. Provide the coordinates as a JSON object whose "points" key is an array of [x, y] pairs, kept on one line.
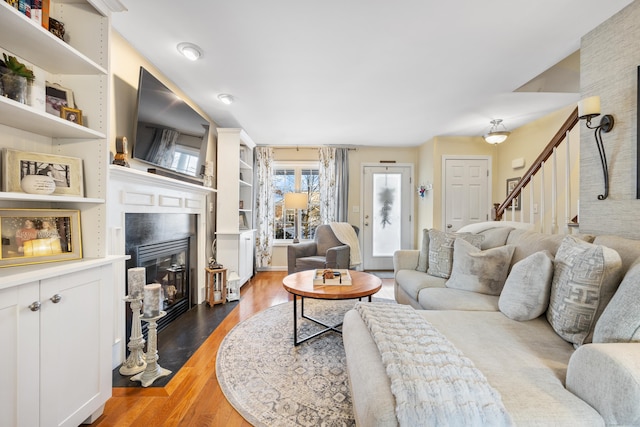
{"points": [[340, 278]]}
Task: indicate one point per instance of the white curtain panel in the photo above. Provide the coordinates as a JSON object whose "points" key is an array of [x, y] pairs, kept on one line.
{"points": [[264, 206], [327, 179]]}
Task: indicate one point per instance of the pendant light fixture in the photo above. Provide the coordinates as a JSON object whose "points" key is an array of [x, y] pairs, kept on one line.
{"points": [[495, 135]]}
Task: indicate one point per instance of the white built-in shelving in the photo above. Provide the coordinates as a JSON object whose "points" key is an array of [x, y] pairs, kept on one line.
{"points": [[234, 227], [56, 311]]}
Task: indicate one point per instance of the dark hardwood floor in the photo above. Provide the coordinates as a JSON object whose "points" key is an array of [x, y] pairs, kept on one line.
{"points": [[192, 396]]}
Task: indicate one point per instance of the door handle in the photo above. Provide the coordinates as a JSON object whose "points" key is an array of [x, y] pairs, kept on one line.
{"points": [[56, 298], [366, 224], [449, 225], [34, 306]]}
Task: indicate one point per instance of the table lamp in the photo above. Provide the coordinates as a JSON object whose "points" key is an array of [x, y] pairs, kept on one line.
{"points": [[296, 201]]}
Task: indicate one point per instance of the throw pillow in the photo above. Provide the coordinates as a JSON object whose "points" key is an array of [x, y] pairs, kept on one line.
{"points": [[620, 320], [441, 250], [479, 271], [584, 279], [494, 237], [525, 295], [423, 258]]}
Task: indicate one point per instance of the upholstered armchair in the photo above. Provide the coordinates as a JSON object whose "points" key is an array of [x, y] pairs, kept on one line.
{"points": [[326, 251]]}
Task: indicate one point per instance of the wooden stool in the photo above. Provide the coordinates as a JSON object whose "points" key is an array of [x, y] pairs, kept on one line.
{"points": [[215, 286]]}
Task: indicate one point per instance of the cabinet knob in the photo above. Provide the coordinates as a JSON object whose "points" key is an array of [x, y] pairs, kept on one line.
{"points": [[34, 306], [56, 298]]}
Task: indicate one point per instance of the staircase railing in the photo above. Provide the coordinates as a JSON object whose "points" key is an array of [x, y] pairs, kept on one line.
{"points": [[538, 168]]}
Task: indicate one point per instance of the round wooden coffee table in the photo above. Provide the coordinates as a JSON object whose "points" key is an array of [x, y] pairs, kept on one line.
{"points": [[301, 285]]}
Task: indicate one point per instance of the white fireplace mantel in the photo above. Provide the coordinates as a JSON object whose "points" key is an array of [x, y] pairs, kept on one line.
{"points": [[135, 191]]}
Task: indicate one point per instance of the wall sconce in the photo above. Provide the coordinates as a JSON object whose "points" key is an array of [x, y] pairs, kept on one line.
{"points": [[589, 108], [296, 201]]}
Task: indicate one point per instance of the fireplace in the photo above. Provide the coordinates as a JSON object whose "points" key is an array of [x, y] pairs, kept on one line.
{"points": [[146, 209], [163, 244]]}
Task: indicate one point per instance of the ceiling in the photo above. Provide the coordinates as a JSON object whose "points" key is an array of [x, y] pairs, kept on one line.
{"points": [[368, 72]]}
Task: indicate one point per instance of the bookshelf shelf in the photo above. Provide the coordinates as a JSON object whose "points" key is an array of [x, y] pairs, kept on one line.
{"points": [[38, 46], [21, 116]]}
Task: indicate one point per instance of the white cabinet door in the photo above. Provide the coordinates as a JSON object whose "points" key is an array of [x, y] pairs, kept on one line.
{"points": [[246, 256], [20, 356], [76, 357]]}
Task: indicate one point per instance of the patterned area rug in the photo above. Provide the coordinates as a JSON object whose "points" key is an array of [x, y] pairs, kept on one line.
{"points": [[272, 383]]}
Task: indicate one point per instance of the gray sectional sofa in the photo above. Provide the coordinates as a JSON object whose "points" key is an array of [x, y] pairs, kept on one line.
{"points": [[551, 322]]}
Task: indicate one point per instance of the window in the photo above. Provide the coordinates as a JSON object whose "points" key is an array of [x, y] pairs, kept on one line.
{"points": [[296, 177]]}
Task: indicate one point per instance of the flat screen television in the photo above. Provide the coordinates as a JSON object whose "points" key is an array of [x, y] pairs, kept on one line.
{"points": [[169, 134]]}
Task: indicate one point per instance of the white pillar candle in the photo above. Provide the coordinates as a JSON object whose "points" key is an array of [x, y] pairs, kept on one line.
{"points": [[136, 280], [589, 106], [152, 300]]}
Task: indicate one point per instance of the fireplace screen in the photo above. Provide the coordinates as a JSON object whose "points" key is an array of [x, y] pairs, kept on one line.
{"points": [[167, 263]]}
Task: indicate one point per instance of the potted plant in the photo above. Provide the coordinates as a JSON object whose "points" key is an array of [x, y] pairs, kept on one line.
{"points": [[15, 77]]}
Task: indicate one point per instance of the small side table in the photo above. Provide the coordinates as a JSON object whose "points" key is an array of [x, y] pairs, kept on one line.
{"points": [[215, 286]]}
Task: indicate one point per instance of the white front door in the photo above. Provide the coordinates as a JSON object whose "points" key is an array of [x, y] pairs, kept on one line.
{"points": [[387, 215], [466, 195]]}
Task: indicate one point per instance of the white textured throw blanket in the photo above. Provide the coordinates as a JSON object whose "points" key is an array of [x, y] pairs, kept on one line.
{"points": [[434, 384], [347, 235]]}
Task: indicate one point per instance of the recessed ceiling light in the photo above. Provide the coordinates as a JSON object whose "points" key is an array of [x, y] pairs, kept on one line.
{"points": [[225, 98], [190, 51]]}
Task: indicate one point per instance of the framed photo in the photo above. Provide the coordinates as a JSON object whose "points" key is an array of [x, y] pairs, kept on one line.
{"points": [[32, 236], [511, 184], [65, 171], [56, 98], [71, 114], [242, 221]]}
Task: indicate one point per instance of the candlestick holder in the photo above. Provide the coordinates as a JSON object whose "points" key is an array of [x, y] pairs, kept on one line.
{"points": [[135, 361], [153, 371]]}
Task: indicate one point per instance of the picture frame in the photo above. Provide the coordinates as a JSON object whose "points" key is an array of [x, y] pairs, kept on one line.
{"points": [[33, 236], [242, 221], [71, 114], [57, 97], [65, 171], [511, 184]]}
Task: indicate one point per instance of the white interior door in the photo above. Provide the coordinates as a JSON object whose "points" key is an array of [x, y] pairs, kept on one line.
{"points": [[387, 215], [466, 191]]}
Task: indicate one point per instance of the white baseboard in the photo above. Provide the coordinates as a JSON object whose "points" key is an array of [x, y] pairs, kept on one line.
{"points": [[273, 268]]}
